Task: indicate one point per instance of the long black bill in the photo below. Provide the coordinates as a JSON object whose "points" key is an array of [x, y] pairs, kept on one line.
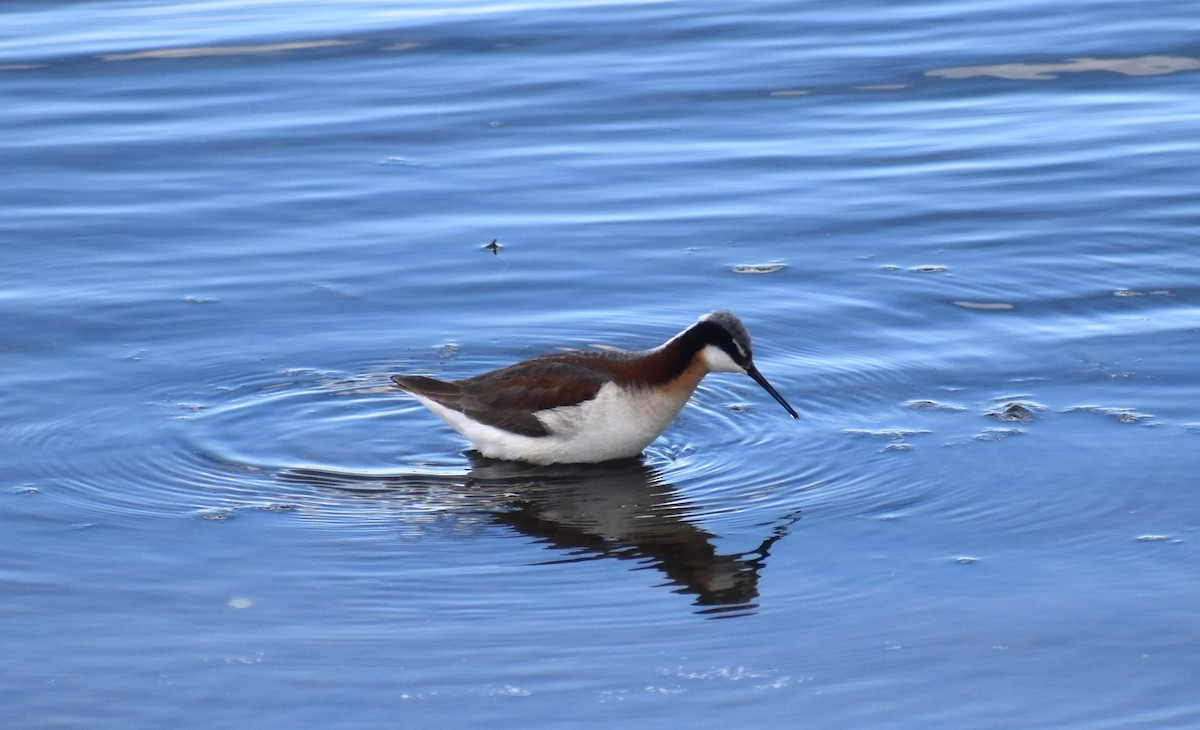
{"points": [[758, 378]]}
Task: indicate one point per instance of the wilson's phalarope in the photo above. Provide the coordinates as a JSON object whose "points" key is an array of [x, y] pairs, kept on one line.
{"points": [[588, 406]]}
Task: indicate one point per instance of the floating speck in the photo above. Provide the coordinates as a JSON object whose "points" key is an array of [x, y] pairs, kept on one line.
{"points": [[896, 435], [237, 50], [1129, 416], [928, 269], [734, 674], [966, 560], [299, 373], [757, 268], [890, 267], [997, 434], [926, 404], [238, 602], [276, 507], [403, 162], [509, 691], [1136, 66], [1152, 538], [495, 125], [891, 434], [25, 489], [1120, 415], [335, 289], [1128, 293], [993, 306]]}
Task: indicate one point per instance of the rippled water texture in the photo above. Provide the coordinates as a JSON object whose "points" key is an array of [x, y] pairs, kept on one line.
{"points": [[962, 236]]}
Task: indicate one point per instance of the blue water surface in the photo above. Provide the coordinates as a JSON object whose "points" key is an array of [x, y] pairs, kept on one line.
{"points": [[962, 234]]}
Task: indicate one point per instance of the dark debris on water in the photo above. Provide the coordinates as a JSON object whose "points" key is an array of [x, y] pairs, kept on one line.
{"points": [[1014, 411]]}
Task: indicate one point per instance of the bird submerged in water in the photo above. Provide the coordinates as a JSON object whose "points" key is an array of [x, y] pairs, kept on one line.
{"points": [[588, 406]]}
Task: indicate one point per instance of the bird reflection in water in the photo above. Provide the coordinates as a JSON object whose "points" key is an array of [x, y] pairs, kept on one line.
{"points": [[621, 509]]}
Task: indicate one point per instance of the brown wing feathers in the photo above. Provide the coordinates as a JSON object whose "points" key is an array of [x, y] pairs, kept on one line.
{"points": [[507, 398]]}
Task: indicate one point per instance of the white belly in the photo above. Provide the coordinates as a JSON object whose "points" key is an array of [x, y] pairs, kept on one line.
{"points": [[613, 425]]}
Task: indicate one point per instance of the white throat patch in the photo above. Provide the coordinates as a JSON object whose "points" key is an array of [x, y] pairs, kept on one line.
{"points": [[719, 361]]}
